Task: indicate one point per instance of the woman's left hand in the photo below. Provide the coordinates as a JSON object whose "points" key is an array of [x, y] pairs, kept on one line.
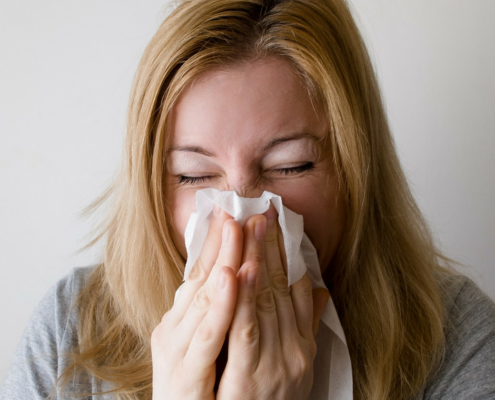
{"points": [[272, 337]]}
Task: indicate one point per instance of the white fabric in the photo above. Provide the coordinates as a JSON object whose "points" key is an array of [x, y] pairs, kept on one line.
{"points": [[333, 373]]}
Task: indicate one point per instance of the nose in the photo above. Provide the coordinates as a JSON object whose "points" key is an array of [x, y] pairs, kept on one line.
{"points": [[246, 183], [248, 192]]}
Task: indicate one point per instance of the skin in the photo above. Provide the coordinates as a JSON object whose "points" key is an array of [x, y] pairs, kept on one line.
{"points": [[249, 128], [221, 129]]}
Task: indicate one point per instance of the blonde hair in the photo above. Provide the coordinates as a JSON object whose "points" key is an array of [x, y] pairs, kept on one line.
{"points": [[383, 279]]}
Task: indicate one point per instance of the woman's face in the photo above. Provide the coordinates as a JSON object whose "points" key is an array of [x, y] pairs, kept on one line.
{"points": [[249, 128]]}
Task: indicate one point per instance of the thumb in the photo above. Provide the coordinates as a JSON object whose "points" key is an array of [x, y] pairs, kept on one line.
{"points": [[320, 299]]}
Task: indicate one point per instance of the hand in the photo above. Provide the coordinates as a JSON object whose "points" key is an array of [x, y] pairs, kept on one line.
{"points": [[186, 344], [272, 337]]}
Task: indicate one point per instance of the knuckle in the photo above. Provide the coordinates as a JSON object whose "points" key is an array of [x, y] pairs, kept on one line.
{"points": [[249, 299], [249, 333], [204, 332], [198, 272], [301, 363], [265, 301], [280, 283], [201, 300], [306, 290], [271, 239]]}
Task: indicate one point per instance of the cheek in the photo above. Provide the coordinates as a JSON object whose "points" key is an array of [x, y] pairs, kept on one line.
{"points": [[324, 214], [181, 203]]}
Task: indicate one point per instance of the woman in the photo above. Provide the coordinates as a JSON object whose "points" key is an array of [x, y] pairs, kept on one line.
{"points": [[251, 96]]}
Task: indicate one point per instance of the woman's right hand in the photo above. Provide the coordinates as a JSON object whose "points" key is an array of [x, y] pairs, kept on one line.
{"points": [[187, 342]]}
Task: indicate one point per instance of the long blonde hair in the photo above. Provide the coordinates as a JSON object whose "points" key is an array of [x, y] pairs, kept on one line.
{"points": [[383, 278]]}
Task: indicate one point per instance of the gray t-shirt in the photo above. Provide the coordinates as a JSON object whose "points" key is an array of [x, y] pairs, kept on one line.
{"points": [[468, 371]]}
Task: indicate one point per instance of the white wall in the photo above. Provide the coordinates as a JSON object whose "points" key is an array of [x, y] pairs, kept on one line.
{"points": [[436, 64], [65, 74]]}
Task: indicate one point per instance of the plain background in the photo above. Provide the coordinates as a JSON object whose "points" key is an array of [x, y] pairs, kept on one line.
{"points": [[65, 75]]}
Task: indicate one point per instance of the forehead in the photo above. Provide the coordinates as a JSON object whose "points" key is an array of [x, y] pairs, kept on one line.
{"points": [[253, 102]]}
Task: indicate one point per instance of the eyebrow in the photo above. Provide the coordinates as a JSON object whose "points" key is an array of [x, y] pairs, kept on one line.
{"points": [[192, 149], [273, 143], [297, 136]]}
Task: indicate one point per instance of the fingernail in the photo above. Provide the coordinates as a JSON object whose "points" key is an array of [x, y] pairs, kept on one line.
{"points": [[260, 229], [216, 210], [225, 233], [221, 280], [252, 275]]}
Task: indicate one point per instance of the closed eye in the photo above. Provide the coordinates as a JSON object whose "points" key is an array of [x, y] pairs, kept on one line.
{"points": [[192, 180], [294, 170]]}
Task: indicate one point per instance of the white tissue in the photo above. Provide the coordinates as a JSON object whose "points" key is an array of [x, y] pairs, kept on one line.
{"points": [[333, 356], [300, 252]]}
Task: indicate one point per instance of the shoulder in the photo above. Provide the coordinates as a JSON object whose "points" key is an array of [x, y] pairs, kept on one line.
{"points": [[50, 333], [468, 310], [56, 314], [468, 367], [66, 291]]}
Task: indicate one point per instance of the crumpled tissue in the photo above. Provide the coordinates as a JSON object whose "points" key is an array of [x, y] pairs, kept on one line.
{"points": [[332, 369]]}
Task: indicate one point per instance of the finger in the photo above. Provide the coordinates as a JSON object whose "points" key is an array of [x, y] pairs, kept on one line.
{"points": [[302, 300], [203, 266], [254, 251], [213, 325], [230, 253], [281, 248], [277, 277], [320, 300], [244, 334], [211, 246]]}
